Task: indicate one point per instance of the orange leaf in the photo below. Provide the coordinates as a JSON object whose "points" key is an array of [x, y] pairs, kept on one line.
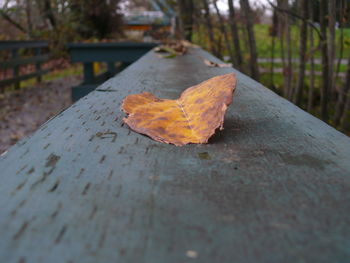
{"points": [[193, 118]]}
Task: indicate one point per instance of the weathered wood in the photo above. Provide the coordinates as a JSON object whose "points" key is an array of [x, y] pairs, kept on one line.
{"points": [[108, 52], [23, 61], [16, 61], [22, 44], [111, 52], [17, 79], [273, 186], [15, 71]]}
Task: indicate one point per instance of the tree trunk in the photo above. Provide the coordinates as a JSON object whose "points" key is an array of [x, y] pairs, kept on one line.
{"points": [[29, 17], [310, 98], [289, 67], [209, 26], [281, 34], [342, 18], [253, 61], [235, 36], [343, 96], [325, 64], [11, 21], [224, 32], [49, 13], [331, 45], [285, 43], [186, 9], [273, 34], [345, 123], [302, 55]]}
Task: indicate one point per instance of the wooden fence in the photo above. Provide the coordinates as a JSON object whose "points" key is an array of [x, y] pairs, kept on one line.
{"points": [[22, 53]]}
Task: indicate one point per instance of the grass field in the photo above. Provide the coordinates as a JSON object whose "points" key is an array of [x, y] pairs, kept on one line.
{"points": [[264, 41], [264, 44]]}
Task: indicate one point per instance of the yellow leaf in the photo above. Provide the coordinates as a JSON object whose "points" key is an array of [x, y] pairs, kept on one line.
{"points": [[193, 118]]}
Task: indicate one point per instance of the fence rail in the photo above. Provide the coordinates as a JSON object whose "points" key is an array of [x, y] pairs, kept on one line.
{"points": [[16, 50]]}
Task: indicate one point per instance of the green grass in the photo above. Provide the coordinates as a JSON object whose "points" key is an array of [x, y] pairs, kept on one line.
{"points": [[318, 67], [74, 70], [264, 41], [264, 44]]}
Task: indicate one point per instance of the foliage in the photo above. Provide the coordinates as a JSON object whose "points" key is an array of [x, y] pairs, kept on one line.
{"points": [[61, 21]]}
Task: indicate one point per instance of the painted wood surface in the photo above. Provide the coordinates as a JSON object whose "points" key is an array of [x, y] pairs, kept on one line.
{"points": [[110, 52], [273, 186], [15, 48]]}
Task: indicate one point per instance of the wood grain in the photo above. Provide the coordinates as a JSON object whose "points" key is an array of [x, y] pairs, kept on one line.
{"points": [[273, 186]]}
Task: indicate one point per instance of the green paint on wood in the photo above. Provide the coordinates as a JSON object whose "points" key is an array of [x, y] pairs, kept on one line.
{"points": [[85, 188]]}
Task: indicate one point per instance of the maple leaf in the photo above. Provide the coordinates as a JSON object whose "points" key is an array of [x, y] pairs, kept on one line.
{"points": [[193, 118]]}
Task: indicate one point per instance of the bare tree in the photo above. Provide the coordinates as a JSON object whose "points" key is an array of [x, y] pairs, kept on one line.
{"points": [[186, 9], [343, 97], [325, 62], [209, 27], [223, 31], [248, 18], [289, 68], [342, 17], [273, 34], [29, 16], [310, 98], [331, 44], [302, 54], [345, 123], [238, 61], [5, 15]]}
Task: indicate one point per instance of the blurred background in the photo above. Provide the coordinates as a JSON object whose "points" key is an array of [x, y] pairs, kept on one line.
{"points": [[300, 49]]}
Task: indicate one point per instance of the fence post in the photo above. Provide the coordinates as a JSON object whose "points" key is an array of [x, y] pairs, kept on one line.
{"points": [[16, 68], [88, 72], [37, 52], [111, 69]]}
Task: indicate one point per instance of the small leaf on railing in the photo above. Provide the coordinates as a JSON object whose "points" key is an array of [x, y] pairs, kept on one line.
{"points": [[193, 118], [214, 64], [172, 49]]}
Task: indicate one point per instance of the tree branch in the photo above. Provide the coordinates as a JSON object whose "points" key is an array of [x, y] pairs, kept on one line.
{"points": [[320, 35], [13, 22]]}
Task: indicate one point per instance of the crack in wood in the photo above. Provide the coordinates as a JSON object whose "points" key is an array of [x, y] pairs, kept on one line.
{"points": [[60, 234], [86, 188], [81, 172], [21, 231], [54, 187], [55, 213], [102, 159]]}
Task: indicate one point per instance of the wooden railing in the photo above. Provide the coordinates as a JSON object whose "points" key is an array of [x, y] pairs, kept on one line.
{"points": [[273, 186], [111, 53], [16, 60]]}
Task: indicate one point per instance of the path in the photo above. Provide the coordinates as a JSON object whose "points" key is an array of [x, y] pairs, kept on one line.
{"points": [[296, 60], [23, 111]]}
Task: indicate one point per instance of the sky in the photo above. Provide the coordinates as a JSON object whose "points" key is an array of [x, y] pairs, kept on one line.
{"points": [[222, 4]]}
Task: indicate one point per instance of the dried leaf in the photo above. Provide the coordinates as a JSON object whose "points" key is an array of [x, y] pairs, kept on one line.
{"points": [[193, 118], [173, 48], [219, 65], [187, 43]]}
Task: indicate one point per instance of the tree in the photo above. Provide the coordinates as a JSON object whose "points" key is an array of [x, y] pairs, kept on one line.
{"points": [[96, 18], [209, 27], [303, 49], [223, 31], [343, 97], [248, 19], [186, 10], [238, 61], [325, 62]]}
